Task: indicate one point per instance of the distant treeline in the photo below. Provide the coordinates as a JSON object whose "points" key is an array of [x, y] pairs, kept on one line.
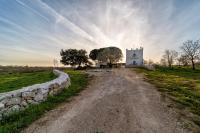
{"points": [[189, 55], [12, 69]]}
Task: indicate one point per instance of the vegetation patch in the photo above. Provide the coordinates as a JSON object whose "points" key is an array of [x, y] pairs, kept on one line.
{"points": [[17, 121], [17, 80], [182, 84]]}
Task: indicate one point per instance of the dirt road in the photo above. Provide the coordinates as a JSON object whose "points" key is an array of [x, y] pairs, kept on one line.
{"points": [[115, 102]]}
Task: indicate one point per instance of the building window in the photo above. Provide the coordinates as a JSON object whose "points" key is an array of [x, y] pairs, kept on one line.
{"points": [[134, 55]]}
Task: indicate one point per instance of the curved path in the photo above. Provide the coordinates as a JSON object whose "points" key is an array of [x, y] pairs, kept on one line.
{"points": [[118, 101]]}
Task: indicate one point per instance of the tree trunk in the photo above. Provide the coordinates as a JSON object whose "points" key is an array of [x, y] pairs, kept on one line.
{"points": [[79, 64], [110, 64], [193, 65], [170, 65]]}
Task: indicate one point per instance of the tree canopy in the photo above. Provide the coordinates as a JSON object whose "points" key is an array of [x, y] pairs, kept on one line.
{"points": [[107, 54], [93, 54], [74, 57]]}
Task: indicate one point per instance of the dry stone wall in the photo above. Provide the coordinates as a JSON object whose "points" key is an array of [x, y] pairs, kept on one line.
{"points": [[22, 98]]}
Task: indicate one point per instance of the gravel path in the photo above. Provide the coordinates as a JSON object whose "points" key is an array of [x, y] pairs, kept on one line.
{"points": [[116, 101]]}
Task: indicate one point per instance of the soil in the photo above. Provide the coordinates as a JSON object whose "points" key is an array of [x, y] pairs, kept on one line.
{"points": [[116, 101]]}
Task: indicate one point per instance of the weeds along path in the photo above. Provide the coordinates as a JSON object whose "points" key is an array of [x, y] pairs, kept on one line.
{"points": [[118, 101]]}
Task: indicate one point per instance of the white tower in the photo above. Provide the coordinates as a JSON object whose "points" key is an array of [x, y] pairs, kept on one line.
{"points": [[134, 57]]}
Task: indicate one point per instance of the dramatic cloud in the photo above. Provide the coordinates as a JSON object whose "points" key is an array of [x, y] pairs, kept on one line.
{"points": [[32, 32]]}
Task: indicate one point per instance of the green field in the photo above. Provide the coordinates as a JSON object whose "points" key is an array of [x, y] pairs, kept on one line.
{"points": [[17, 121], [17, 80], [181, 84]]}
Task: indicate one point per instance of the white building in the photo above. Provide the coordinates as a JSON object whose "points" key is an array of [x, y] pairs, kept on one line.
{"points": [[134, 57]]}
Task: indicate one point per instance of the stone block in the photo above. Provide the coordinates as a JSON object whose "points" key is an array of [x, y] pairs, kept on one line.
{"points": [[51, 93], [13, 101], [24, 104], [16, 94], [32, 102], [28, 94], [39, 97], [15, 108], [43, 91], [2, 106]]}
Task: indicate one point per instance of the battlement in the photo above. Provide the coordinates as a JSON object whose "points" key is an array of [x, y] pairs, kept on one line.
{"points": [[141, 48]]}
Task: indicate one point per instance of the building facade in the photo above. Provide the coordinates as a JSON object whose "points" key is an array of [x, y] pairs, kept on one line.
{"points": [[134, 57]]}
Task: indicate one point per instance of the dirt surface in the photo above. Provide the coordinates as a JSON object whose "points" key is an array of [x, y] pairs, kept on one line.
{"points": [[116, 101]]}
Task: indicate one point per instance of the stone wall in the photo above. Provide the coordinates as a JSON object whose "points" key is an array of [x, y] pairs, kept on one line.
{"points": [[20, 99]]}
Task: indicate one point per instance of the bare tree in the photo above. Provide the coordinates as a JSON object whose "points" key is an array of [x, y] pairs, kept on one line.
{"points": [[55, 63], [183, 60], [192, 51], [169, 57], [163, 62]]}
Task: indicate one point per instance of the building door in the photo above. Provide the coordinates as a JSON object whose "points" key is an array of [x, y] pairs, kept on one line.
{"points": [[134, 63]]}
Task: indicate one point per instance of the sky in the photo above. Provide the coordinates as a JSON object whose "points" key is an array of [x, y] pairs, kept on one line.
{"points": [[32, 32]]}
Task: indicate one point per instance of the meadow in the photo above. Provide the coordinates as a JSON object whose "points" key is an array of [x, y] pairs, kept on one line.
{"points": [[182, 84], [17, 80], [15, 122]]}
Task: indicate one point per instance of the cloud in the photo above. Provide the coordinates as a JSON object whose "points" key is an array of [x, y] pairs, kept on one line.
{"points": [[19, 27], [154, 24], [35, 11], [68, 24]]}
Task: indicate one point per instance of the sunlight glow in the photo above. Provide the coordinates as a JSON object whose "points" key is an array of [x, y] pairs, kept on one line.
{"points": [[32, 32]]}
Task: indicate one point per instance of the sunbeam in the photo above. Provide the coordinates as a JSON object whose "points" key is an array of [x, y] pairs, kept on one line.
{"points": [[46, 26]]}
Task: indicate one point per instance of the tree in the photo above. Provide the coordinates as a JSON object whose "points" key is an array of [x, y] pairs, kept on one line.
{"points": [[183, 60], [109, 55], [163, 62], [191, 50], [169, 57], [74, 57], [93, 54], [55, 63]]}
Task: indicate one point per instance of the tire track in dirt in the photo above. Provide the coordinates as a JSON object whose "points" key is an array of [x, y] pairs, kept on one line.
{"points": [[118, 101]]}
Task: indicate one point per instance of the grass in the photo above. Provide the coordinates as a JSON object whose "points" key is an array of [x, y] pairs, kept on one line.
{"points": [[17, 121], [181, 84], [17, 80]]}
